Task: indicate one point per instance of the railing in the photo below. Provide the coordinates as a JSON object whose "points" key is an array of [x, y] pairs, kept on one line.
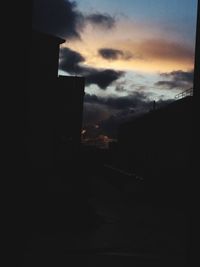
{"points": [[188, 92]]}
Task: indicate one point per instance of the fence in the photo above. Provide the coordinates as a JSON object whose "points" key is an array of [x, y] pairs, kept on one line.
{"points": [[188, 92]]}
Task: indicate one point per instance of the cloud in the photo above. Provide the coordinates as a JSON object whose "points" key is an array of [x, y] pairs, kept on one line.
{"points": [[118, 103], [164, 49], [96, 113], [114, 54], [63, 19], [179, 75], [120, 88], [109, 113], [57, 17], [124, 102], [102, 20], [168, 84], [109, 53], [102, 78], [177, 79], [123, 86], [70, 62]]}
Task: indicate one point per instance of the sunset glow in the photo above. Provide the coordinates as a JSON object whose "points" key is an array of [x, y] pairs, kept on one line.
{"points": [[131, 53]]}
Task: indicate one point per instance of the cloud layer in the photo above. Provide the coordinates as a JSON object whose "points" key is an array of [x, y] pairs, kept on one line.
{"points": [[109, 113], [131, 101], [62, 18], [102, 20], [101, 56], [165, 49], [70, 61], [114, 54], [57, 17], [176, 79]]}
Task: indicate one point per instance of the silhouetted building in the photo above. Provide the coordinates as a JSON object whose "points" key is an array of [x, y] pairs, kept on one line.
{"points": [[69, 113], [44, 56], [159, 142], [50, 103]]}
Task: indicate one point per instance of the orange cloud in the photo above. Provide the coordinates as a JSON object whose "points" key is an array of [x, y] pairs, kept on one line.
{"points": [[165, 50], [151, 53]]}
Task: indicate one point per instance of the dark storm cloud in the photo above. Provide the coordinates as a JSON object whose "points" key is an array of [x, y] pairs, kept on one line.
{"points": [[114, 54], [126, 101], [98, 111], [57, 17], [122, 86], [102, 78], [109, 53], [177, 79], [110, 112], [102, 20], [180, 75], [118, 103], [63, 19], [168, 84], [70, 62], [125, 105]]}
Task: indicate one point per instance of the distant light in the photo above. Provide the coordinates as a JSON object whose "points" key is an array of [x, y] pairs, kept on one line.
{"points": [[83, 131]]}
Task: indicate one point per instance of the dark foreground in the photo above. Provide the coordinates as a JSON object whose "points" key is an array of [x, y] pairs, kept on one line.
{"points": [[92, 214]]}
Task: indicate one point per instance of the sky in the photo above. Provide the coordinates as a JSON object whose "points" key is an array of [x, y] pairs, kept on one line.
{"points": [[131, 53]]}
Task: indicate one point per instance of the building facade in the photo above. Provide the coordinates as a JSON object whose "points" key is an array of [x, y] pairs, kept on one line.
{"points": [[52, 104]]}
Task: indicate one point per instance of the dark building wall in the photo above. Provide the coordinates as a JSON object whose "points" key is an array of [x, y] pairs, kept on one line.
{"points": [[69, 112], [44, 56], [160, 141], [40, 95], [54, 106]]}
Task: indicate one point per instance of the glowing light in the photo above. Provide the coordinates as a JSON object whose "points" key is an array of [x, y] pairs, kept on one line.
{"points": [[83, 131]]}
